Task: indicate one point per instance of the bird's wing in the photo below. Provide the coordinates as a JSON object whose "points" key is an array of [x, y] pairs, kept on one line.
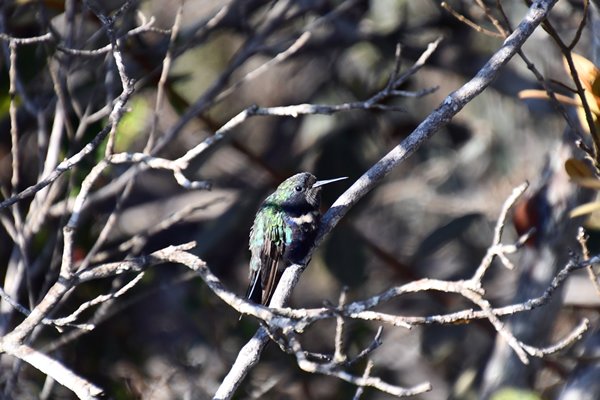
{"points": [[266, 254], [271, 255]]}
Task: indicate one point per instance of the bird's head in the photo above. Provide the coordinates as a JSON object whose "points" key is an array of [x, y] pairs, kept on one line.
{"points": [[301, 191]]}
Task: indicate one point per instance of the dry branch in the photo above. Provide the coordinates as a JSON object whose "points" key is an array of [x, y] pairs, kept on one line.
{"points": [[439, 117]]}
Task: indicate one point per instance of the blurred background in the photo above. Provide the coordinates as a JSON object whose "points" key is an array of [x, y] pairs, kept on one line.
{"points": [[170, 337]]}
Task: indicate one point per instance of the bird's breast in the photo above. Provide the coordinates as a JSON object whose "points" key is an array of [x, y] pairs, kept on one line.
{"points": [[307, 220], [303, 229]]}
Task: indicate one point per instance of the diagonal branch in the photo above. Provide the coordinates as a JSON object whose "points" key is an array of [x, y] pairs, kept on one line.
{"points": [[453, 103]]}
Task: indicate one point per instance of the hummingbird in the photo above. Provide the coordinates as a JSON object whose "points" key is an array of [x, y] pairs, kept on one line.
{"points": [[284, 229]]}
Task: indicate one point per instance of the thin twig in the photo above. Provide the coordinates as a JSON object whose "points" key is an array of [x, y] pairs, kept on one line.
{"points": [[339, 356], [582, 238], [468, 22], [495, 249], [366, 374], [370, 381]]}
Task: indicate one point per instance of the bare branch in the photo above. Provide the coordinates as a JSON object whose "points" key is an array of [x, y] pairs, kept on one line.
{"points": [[376, 383], [81, 387], [496, 249], [366, 374], [442, 115], [70, 162]]}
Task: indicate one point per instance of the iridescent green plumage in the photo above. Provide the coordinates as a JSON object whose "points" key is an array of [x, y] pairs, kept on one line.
{"points": [[283, 231]]}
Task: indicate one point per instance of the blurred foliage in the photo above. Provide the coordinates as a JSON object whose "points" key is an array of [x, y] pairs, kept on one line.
{"points": [[515, 394], [134, 126]]}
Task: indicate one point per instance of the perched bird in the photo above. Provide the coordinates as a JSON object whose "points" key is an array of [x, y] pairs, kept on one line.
{"points": [[283, 231]]}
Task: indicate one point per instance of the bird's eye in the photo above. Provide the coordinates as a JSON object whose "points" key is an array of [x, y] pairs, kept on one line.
{"points": [[298, 188]]}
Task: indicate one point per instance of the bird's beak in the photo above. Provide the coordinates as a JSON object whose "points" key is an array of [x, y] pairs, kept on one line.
{"points": [[325, 182]]}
